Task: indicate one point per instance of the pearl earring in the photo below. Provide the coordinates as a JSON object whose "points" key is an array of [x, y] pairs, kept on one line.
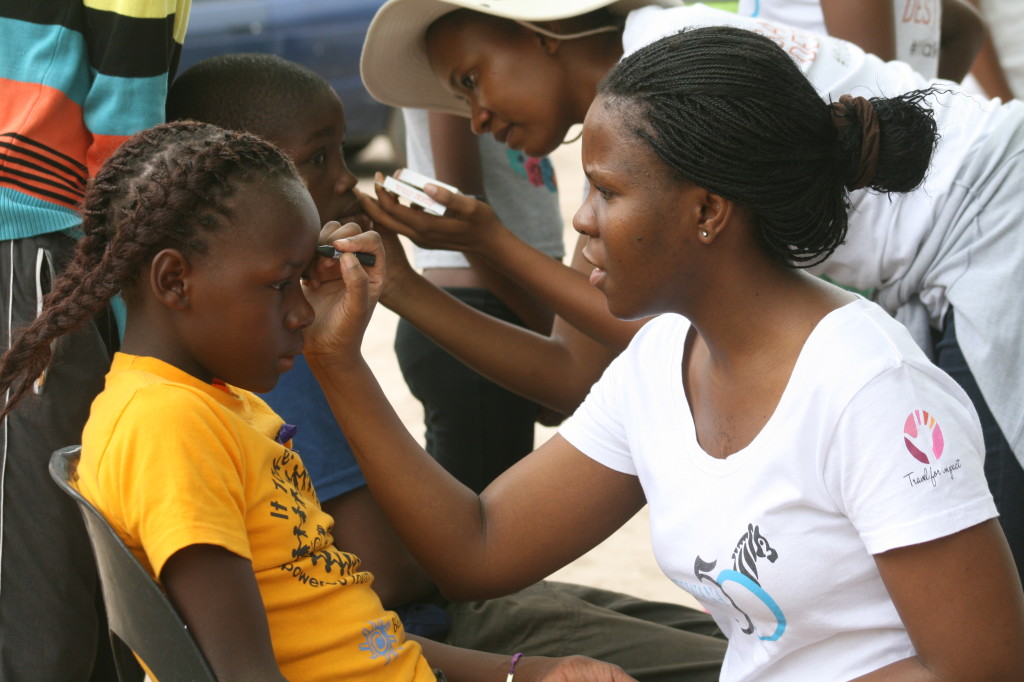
{"points": [[704, 233]]}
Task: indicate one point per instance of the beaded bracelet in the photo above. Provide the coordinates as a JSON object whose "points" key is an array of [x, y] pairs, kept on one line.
{"points": [[512, 667]]}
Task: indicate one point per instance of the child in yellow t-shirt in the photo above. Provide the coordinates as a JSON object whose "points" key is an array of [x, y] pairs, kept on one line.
{"points": [[207, 234]]}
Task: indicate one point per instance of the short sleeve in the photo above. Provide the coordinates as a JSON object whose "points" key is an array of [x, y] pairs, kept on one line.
{"points": [[906, 461], [175, 483], [596, 428]]}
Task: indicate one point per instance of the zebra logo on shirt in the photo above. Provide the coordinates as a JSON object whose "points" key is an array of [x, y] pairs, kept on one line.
{"points": [[752, 546]]}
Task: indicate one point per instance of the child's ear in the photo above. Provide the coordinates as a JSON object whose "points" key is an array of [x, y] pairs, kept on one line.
{"points": [[168, 279]]}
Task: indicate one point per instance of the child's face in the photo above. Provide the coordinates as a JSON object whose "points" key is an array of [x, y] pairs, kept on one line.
{"points": [[246, 309], [314, 142], [515, 89]]}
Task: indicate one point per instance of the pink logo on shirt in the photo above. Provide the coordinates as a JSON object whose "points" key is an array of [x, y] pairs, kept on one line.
{"points": [[923, 437], [919, 11], [800, 46]]}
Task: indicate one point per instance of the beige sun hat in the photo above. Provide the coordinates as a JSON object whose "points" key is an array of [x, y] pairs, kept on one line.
{"points": [[394, 63]]}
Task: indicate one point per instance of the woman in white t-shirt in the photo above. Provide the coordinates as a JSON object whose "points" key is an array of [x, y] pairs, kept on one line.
{"points": [[813, 479], [944, 259]]}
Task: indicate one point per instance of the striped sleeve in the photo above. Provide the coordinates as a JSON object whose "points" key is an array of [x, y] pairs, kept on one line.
{"points": [[76, 79]]}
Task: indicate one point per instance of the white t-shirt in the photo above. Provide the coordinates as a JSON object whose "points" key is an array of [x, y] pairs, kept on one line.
{"points": [[918, 25], [521, 189], [953, 241], [871, 447]]}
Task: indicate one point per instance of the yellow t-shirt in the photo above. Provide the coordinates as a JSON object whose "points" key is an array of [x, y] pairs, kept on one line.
{"points": [[172, 461]]}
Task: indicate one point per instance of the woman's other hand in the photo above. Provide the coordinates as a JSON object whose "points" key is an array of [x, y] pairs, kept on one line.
{"points": [[568, 669], [467, 225]]}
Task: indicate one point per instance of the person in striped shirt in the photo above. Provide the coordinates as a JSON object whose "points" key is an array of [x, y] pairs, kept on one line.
{"points": [[77, 78]]}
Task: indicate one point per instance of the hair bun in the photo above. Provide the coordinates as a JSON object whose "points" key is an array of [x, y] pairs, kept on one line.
{"points": [[846, 112]]}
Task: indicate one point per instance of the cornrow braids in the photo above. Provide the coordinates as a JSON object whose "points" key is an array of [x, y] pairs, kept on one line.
{"points": [[728, 110], [166, 187]]}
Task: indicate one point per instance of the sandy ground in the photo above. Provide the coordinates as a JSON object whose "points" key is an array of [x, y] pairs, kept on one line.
{"points": [[624, 562]]}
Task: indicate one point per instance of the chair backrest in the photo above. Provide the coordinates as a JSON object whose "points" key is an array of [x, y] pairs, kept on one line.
{"points": [[140, 614]]}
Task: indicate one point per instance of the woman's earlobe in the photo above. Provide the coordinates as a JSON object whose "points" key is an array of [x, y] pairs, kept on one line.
{"points": [[168, 278], [715, 213]]}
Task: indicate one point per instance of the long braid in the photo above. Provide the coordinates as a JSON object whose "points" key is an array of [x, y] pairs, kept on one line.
{"points": [[730, 111], [164, 187]]}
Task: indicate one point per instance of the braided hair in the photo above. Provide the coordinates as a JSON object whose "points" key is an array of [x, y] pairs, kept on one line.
{"points": [[728, 110], [166, 187]]}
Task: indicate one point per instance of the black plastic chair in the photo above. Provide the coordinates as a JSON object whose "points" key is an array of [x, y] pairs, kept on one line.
{"points": [[141, 617]]}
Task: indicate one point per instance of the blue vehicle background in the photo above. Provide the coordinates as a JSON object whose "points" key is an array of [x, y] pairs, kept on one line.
{"points": [[324, 35]]}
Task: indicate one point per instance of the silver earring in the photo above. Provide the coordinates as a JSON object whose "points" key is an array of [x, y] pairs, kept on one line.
{"points": [[704, 233]]}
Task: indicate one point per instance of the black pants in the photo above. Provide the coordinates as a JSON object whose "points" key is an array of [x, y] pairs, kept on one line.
{"points": [[474, 428], [51, 621]]}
